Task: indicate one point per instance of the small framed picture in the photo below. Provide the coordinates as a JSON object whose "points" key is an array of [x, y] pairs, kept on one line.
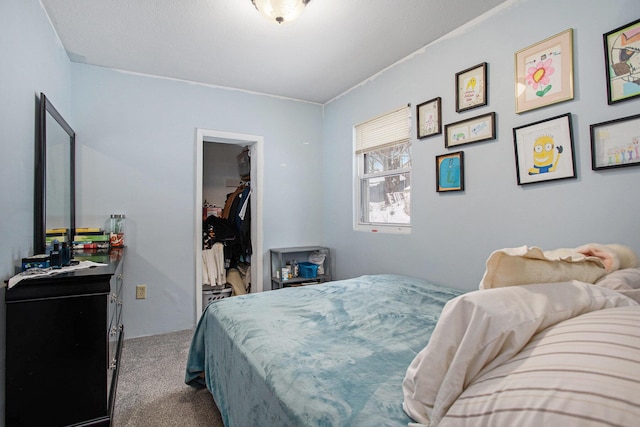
{"points": [[471, 87], [475, 129], [544, 72], [450, 172], [544, 150], [429, 118], [622, 59], [616, 143]]}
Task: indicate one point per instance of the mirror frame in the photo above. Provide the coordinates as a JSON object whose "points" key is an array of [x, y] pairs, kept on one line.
{"points": [[40, 184]]}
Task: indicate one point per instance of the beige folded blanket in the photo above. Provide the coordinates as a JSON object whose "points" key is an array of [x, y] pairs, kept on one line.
{"points": [[525, 265]]}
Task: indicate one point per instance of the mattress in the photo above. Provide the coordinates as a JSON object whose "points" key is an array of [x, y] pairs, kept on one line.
{"points": [[332, 354]]}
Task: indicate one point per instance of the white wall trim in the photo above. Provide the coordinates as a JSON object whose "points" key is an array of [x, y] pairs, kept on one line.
{"points": [[255, 144]]}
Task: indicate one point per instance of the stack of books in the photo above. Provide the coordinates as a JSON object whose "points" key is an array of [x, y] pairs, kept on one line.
{"points": [[90, 238], [52, 234]]}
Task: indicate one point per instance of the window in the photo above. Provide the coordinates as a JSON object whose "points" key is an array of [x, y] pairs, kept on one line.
{"points": [[383, 158]]}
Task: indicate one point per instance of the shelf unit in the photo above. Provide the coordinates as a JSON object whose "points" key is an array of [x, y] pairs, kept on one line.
{"points": [[280, 256]]}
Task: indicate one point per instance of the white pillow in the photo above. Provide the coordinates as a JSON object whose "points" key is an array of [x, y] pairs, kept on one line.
{"points": [[480, 330], [580, 372], [628, 278]]}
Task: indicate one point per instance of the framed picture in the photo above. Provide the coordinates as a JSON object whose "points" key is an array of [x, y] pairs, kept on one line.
{"points": [[622, 59], [544, 72], [450, 172], [616, 143], [471, 87], [429, 118], [544, 150], [475, 129]]}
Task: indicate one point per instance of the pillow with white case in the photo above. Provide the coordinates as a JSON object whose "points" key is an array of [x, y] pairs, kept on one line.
{"points": [[625, 279]]}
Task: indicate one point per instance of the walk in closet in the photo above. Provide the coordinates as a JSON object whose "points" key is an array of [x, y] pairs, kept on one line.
{"points": [[226, 221]]}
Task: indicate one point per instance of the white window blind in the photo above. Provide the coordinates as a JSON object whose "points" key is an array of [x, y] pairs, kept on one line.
{"points": [[384, 131]]}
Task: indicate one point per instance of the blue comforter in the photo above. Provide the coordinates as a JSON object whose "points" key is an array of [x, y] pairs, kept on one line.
{"points": [[333, 354]]}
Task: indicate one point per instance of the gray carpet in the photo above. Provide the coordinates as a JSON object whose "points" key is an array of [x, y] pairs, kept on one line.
{"points": [[151, 389]]}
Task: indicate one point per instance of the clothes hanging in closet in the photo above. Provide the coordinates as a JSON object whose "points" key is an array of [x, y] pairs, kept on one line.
{"points": [[231, 198], [237, 210], [216, 229], [213, 266]]}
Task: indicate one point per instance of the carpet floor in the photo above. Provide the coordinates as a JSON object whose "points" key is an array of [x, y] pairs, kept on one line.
{"points": [[151, 389]]}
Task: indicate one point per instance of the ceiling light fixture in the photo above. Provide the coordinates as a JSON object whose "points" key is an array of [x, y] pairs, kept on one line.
{"points": [[280, 11]]}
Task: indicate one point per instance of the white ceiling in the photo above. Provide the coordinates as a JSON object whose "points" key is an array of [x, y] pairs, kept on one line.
{"points": [[335, 45]]}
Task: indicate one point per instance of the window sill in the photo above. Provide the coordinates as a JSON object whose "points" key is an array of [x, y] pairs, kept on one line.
{"points": [[386, 229]]}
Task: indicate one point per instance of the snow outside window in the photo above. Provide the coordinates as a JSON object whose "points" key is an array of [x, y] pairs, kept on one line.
{"points": [[383, 159]]}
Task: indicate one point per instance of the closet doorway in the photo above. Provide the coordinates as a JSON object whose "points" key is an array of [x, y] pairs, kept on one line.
{"points": [[255, 145]]}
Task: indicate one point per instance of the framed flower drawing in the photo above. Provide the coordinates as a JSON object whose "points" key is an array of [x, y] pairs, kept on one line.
{"points": [[544, 72]]}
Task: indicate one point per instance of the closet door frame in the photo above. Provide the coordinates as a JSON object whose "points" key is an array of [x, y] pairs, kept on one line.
{"points": [[255, 144]]}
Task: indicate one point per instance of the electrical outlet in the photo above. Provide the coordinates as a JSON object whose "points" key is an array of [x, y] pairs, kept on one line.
{"points": [[141, 291]]}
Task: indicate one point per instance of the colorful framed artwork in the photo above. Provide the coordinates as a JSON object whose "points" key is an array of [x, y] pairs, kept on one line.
{"points": [[450, 172], [622, 59], [475, 129], [429, 118], [616, 143], [544, 72], [544, 150], [471, 87]]}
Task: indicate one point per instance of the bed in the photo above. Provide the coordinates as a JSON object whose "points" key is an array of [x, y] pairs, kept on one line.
{"points": [[326, 355], [390, 350]]}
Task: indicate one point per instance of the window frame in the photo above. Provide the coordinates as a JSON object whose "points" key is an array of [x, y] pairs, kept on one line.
{"points": [[359, 175]]}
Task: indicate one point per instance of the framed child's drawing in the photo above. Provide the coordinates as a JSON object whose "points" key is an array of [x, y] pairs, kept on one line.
{"points": [[616, 143], [544, 72], [622, 59], [450, 172], [474, 129], [429, 118], [544, 150], [471, 87]]}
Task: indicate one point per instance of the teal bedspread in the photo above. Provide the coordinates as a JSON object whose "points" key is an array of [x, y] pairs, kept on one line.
{"points": [[332, 354]]}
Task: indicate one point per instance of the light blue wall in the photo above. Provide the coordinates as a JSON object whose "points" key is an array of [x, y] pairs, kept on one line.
{"points": [[33, 61], [454, 233], [136, 154]]}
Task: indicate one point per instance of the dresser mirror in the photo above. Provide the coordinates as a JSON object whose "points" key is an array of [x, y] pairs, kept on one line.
{"points": [[54, 205]]}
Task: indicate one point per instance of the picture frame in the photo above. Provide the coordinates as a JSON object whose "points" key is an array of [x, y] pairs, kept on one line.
{"points": [[622, 62], [615, 143], [450, 172], [471, 87], [429, 118], [544, 150], [544, 72], [475, 129]]}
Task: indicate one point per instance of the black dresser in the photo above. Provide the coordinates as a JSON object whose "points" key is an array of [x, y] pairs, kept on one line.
{"points": [[63, 341]]}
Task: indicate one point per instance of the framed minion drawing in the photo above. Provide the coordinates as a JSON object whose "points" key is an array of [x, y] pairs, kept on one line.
{"points": [[544, 150]]}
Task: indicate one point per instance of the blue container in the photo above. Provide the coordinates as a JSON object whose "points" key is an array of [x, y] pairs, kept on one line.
{"points": [[308, 270]]}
